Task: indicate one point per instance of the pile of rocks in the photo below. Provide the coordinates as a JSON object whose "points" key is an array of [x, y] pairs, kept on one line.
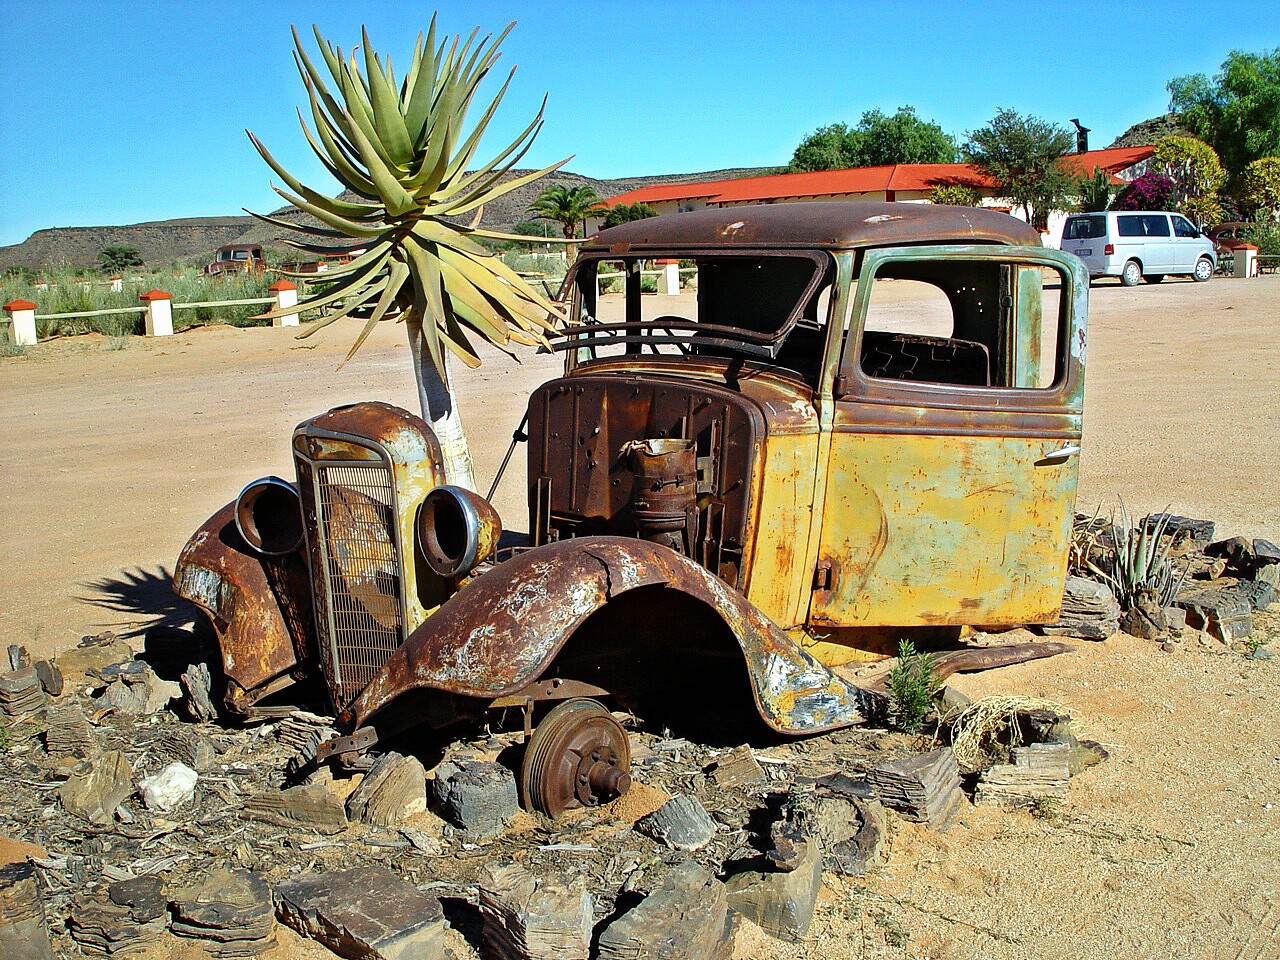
{"points": [[156, 828], [1219, 585]]}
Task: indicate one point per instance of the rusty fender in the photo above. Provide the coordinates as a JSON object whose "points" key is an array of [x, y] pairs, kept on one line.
{"points": [[253, 600], [498, 633]]}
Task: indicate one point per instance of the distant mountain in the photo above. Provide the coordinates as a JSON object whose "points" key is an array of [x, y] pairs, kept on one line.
{"points": [[164, 240], [158, 241]]}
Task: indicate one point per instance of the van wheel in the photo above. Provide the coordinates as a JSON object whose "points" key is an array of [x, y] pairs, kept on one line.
{"points": [[1153, 277], [1203, 271], [1131, 273]]}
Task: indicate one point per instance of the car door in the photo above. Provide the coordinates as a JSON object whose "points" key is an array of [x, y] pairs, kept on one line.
{"points": [[1187, 245], [951, 477]]}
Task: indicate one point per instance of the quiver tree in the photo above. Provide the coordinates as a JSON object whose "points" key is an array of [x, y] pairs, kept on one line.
{"points": [[399, 147]]}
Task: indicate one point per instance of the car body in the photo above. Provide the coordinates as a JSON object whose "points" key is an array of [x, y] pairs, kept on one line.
{"points": [[862, 426], [236, 258], [1137, 245]]}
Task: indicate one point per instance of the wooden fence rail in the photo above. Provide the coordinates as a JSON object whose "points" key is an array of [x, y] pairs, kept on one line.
{"points": [[20, 315]]}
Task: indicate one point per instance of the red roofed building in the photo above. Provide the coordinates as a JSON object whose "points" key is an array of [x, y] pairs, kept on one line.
{"points": [[903, 182]]}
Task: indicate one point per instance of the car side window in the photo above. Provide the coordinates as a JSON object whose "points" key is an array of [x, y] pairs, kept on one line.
{"points": [[966, 323], [1155, 225], [1182, 228]]}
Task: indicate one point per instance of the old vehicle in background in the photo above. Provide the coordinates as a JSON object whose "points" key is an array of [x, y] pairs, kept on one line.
{"points": [[236, 258], [863, 425]]}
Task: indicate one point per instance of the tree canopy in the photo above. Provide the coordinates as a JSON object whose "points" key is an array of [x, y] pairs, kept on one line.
{"points": [[1196, 174], [567, 206], [1238, 111], [626, 212], [1023, 155], [112, 259], [1260, 189], [877, 140]]}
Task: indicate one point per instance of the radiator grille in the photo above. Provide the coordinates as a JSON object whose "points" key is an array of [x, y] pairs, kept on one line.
{"points": [[360, 580]]}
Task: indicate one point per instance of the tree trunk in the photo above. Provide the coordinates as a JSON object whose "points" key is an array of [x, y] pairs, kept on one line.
{"points": [[440, 410]]}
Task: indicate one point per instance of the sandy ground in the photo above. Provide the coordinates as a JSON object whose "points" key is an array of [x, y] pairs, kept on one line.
{"points": [[111, 458]]}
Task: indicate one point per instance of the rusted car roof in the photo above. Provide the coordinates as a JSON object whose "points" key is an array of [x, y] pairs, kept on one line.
{"points": [[823, 223]]}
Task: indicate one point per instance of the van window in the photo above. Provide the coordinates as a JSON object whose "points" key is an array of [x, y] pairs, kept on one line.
{"points": [[1085, 228], [1182, 228], [1143, 225]]}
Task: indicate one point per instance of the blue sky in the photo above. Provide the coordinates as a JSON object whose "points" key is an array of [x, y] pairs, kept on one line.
{"points": [[118, 113]]}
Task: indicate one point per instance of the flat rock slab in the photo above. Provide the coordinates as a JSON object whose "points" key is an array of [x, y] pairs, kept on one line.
{"points": [[366, 912], [393, 789], [737, 768], [685, 917], [1040, 770], [92, 655], [780, 902], [311, 805], [97, 787], [24, 935], [532, 918], [132, 915], [476, 795], [925, 788], [682, 822], [230, 910]]}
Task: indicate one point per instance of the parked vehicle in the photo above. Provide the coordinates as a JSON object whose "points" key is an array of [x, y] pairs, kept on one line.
{"points": [[237, 258], [1139, 245], [864, 426]]}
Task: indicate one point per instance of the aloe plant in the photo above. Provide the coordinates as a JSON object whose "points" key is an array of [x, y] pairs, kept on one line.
{"points": [[399, 147], [1140, 561]]}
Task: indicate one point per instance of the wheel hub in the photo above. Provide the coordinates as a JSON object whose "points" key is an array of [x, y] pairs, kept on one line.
{"points": [[577, 757]]}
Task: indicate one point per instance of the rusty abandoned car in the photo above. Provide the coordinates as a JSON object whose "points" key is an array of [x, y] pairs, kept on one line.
{"points": [[863, 424]]}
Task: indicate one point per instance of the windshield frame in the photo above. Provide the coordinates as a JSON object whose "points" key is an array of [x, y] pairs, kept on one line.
{"points": [[723, 336]]}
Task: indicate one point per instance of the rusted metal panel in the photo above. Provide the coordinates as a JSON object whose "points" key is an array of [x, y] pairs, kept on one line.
{"points": [[499, 632], [260, 606], [581, 429], [779, 562], [945, 503], [822, 224]]}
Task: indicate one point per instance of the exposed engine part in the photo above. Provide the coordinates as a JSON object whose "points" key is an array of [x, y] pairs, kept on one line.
{"points": [[577, 757], [666, 488], [269, 516], [457, 530]]}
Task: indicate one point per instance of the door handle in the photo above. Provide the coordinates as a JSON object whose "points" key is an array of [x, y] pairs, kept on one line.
{"points": [[1070, 450]]}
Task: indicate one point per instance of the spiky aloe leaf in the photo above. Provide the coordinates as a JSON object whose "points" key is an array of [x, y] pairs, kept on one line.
{"points": [[401, 146]]}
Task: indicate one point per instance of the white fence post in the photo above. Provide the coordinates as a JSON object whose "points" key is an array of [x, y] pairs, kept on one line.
{"points": [[286, 294], [117, 284], [669, 281], [22, 315], [1246, 260], [159, 313]]}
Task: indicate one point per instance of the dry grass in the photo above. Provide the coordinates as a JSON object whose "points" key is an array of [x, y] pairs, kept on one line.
{"points": [[977, 727]]}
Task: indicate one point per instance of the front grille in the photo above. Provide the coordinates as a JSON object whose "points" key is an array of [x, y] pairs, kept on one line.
{"points": [[358, 576]]}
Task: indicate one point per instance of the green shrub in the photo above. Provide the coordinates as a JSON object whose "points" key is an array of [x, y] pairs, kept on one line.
{"points": [[912, 686]]}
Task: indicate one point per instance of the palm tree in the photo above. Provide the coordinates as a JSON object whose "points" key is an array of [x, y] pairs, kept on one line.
{"points": [[567, 206], [400, 149]]}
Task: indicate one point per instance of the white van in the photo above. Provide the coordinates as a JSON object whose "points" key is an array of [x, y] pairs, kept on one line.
{"points": [[1136, 245]]}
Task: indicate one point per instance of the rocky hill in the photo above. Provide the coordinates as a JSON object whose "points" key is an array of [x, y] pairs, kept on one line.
{"points": [[158, 241], [166, 240], [1148, 132]]}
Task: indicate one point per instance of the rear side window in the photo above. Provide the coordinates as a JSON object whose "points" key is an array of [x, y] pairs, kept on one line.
{"points": [[1143, 225], [1085, 228]]}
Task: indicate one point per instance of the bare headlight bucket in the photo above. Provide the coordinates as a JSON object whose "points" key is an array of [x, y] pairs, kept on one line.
{"points": [[457, 530], [269, 516]]}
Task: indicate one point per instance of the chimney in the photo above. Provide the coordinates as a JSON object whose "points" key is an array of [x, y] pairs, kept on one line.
{"points": [[1082, 137]]}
